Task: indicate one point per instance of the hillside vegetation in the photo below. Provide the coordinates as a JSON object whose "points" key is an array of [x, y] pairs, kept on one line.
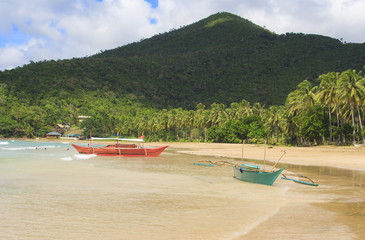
{"points": [[222, 79], [223, 59]]}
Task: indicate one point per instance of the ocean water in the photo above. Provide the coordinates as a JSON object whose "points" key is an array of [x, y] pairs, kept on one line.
{"points": [[49, 191]]}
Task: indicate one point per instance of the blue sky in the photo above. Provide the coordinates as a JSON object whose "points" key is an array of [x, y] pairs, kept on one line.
{"points": [[36, 30]]}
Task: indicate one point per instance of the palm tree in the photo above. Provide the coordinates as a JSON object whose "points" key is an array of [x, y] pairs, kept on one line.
{"points": [[273, 120], [218, 114], [328, 95], [297, 102], [301, 98], [239, 110], [201, 119], [352, 94], [258, 109]]}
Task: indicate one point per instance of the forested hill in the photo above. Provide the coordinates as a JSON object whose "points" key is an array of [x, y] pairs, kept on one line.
{"points": [[223, 58]]}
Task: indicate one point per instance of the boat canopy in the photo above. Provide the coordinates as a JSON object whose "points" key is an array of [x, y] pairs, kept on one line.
{"points": [[121, 139]]}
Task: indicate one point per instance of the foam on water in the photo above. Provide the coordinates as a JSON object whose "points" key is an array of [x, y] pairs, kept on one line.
{"points": [[83, 156], [4, 143], [19, 148], [10, 148]]}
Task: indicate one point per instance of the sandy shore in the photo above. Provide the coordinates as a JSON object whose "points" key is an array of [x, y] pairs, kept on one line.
{"points": [[349, 157], [331, 156], [309, 213], [330, 211]]}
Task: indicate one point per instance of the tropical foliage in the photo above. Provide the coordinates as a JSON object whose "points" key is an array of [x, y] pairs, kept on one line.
{"points": [[331, 112]]}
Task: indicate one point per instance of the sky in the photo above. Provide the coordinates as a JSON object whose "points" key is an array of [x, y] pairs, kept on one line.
{"points": [[37, 30]]}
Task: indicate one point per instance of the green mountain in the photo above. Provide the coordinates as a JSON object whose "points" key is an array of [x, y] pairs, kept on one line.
{"points": [[223, 58]]}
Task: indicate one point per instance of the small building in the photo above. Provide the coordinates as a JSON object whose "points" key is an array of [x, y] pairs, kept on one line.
{"points": [[53, 135]]}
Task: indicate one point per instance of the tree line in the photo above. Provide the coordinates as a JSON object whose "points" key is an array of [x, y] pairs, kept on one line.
{"points": [[331, 112]]}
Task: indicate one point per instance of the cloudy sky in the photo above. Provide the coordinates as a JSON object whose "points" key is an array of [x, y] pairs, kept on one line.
{"points": [[36, 30]]}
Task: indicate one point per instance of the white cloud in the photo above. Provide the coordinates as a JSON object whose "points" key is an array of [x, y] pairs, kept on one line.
{"points": [[56, 29], [11, 57]]}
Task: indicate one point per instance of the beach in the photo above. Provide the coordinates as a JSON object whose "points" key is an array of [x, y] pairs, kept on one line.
{"points": [[49, 191], [334, 210], [346, 157]]}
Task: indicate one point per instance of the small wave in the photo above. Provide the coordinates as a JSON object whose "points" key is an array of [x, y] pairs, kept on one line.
{"points": [[19, 148], [67, 159], [28, 148], [45, 146], [4, 143], [82, 156]]}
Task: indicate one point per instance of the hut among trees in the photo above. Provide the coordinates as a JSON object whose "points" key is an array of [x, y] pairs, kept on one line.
{"points": [[53, 135]]}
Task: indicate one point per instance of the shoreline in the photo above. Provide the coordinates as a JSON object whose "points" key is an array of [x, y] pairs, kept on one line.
{"points": [[345, 157], [352, 158]]}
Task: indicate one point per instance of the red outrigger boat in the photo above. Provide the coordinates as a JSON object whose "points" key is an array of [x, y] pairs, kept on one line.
{"points": [[126, 150]]}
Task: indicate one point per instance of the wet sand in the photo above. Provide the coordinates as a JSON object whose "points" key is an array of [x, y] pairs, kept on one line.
{"points": [[334, 210], [330, 156]]}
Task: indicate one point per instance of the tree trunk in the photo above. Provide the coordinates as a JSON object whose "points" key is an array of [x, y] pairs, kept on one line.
{"points": [[353, 125], [330, 122], [338, 126], [360, 123]]}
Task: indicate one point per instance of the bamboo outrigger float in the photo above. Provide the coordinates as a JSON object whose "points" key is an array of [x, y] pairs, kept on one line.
{"points": [[307, 181]]}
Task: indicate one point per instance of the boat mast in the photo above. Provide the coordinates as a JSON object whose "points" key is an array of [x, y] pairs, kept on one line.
{"points": [[243, 144], [91, 139], [264, 156], [278, 160]]}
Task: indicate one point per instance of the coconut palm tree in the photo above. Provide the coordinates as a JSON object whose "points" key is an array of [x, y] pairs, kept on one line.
{"points": [[301, 98], [218, 114], [273, 120], [201, 120], [297, 102], [239, 110], [352, 93], [258, 109], [328, 96]]}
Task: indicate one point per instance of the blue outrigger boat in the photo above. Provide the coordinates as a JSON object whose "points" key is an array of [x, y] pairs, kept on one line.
{"points": [[252, 173], [255, 175]]}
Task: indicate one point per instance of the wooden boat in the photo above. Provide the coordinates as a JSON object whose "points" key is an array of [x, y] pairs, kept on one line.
{"points": [[119, 149], [254, 174], [248, 174]]}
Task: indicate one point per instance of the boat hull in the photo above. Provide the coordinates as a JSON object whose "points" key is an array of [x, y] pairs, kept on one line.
{"points": [[260, 177], [115, 151]]}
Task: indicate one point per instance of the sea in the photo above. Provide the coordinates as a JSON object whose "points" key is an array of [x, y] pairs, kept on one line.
{"points": [[50, 192]]}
